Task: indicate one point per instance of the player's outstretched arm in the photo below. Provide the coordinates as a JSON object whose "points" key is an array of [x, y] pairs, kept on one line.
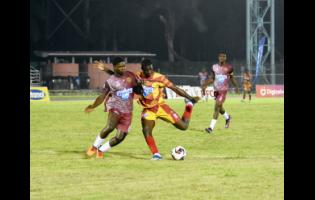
{"points": [[101, 66], [99, 100], [182, 93], [207, 82]]}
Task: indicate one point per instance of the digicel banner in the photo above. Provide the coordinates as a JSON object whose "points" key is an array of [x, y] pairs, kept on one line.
{"points": [[269, 90]]}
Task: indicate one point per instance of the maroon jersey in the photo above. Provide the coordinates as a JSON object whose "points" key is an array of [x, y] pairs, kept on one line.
{"points": [[121, 92], [222, 76]]}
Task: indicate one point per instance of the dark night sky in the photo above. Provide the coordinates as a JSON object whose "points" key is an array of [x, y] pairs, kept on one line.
{"points": [[122, 21]]}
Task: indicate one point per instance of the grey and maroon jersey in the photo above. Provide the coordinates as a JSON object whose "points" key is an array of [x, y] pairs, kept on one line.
{"points": [[121, 92], [222, 76]]}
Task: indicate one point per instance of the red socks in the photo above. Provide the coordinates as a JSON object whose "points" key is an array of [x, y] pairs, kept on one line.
{"points": [[187, 113], [151, 143]]}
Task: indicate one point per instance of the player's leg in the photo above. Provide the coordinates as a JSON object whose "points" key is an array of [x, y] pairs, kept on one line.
{"points": [[244, 93], [112, 122], [203, 93], [147, 128], [226, 116], [124, 122], [249, 95], [118, 138], [169, 115], [222, 110], [218, 108]]}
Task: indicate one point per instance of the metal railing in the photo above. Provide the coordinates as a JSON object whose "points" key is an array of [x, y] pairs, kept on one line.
{"points": [[192, 80], [34, 76]]}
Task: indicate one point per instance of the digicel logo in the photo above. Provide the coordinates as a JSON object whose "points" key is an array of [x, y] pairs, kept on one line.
{"points": [[272, 92], [275, 92]]}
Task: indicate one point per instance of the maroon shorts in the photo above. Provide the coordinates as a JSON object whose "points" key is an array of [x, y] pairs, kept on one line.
{"points": [[124, 120], [219, 96]]}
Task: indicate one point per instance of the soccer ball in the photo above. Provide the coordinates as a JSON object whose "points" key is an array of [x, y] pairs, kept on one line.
{"points": [[178, 153]]}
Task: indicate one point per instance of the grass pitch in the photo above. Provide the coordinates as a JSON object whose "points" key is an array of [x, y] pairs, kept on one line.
{"points": [[244, 162]]}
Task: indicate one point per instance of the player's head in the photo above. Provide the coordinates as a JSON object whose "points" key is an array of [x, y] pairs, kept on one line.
{"points": [[119, 65], [222, 56], [147, 67]]}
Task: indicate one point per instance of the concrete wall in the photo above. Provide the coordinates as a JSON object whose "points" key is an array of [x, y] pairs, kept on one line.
{"points": [[65, 69]]}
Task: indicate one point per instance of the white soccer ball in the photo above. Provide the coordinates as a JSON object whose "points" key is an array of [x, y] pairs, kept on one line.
{"points": [[178, 153]]}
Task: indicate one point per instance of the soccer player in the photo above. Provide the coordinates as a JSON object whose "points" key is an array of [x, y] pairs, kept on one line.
{"points": [[220, 75], [203, 76], [247, 85], [154, 106], [118, 92]]}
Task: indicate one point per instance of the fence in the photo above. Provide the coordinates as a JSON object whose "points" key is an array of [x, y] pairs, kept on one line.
{"points": [[193, 80], [34, 76], [179, 73]]}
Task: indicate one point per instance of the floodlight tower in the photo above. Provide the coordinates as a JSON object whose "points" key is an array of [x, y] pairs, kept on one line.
{"points": [[260, 15]]}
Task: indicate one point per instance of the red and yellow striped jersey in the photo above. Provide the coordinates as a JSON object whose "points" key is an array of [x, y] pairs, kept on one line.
{"points": [[153, 87]]}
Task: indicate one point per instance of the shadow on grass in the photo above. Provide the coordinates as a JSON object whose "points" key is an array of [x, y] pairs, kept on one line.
{"points": [[197, 130], [130, 155], [109, 154]]}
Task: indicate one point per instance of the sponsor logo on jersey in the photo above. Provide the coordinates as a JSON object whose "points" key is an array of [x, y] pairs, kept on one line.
{"points": [[147, 90], [221, 78], [124, 94]]}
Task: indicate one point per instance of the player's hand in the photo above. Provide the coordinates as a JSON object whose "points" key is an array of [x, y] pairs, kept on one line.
{"points": [[204, 87], [100, 65], [89, 109]]}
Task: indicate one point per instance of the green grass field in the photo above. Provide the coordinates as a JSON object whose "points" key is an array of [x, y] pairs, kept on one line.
{"points": [[244, 162]]}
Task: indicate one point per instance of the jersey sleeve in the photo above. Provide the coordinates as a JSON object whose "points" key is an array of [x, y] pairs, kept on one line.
{"points": [[166, 81], [134, 76], [106, 88]]}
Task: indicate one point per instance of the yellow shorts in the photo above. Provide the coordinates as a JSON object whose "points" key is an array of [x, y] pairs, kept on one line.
{"points": [[163, 112], [247, 86]]}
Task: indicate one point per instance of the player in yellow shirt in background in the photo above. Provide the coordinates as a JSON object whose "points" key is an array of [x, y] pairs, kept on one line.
{"points": [[247, 85]]}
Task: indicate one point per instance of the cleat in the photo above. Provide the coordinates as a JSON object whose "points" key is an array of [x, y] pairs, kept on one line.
{"points": [[99, 154], [91, 151], [156, 156], [208, 130], [227, 122]]}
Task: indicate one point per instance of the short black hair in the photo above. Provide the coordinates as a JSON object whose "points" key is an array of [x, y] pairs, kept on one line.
{"points": [[222, 52], [117, 60], [145, 62]]}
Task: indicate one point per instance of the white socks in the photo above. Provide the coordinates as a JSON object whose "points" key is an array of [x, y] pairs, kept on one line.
{"points": [[212, 123], [226, 115], [189, 103], [105, 147], [98, 141]]}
